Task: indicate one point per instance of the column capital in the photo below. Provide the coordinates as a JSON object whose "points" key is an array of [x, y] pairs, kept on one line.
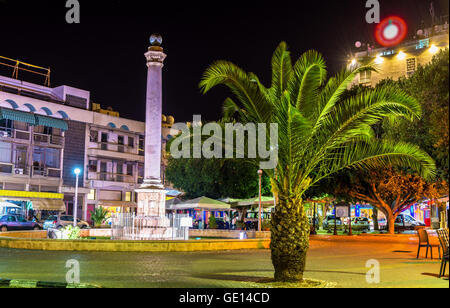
{"points": [[155, 56]]}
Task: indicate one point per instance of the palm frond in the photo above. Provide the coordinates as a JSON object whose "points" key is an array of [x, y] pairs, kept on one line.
{"points": [[238, 81], [281, 70], [378, 154]]}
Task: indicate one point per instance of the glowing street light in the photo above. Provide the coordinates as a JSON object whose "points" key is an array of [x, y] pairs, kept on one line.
{"points": [[401, 55], [434, 49], [77, 172], [379, 59]]}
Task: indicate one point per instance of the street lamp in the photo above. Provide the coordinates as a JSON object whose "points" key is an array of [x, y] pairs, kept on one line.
{"points": [[313, 231], [77, 172], [260, 172]]}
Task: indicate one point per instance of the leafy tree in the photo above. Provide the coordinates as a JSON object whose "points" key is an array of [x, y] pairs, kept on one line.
{"points": [[394, 190], [216, 178], [320, 133], [429, 85], [391, 190]]}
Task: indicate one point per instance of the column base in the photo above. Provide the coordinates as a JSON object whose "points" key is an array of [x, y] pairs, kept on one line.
{"points": [[151, 200]]}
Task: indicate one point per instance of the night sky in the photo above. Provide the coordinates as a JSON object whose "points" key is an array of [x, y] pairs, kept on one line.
{"points": [[104, 53]]}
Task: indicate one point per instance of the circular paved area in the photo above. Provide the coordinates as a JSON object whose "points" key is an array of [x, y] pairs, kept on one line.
{"points": [[342, 260]]}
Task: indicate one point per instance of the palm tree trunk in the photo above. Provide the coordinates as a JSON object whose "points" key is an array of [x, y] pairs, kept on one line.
{"points": [[290, 240]]}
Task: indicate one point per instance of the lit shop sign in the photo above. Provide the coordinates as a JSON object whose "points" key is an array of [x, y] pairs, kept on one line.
{"points": [[423, 44]]}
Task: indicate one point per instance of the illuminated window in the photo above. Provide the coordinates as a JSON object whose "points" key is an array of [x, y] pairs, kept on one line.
{"points": [[91, 195], [410, 66], [365, 77], [128, 196]]}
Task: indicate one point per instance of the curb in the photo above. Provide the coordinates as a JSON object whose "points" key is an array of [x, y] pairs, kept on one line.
{"points": [[32, 284]]}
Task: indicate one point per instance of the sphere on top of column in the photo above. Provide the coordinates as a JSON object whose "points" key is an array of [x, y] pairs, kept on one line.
{"points": [[156, 39], [155, 54]]}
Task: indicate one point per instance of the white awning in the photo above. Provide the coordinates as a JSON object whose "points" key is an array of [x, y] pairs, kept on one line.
{"points": [[48, 205]]}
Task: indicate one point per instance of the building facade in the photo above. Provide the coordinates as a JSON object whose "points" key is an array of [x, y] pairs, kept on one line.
{"points": [[45, 133], [402, 60]]}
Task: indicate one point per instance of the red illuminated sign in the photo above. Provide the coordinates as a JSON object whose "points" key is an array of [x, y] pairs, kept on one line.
{"points": [[391, 31]]}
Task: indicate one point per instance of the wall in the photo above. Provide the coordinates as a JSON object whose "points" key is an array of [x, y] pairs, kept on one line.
{"points": [[74, 152], [227, 233]]}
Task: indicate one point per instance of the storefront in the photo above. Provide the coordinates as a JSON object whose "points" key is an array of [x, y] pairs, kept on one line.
{"points": [[114, 207], [35, 204]]}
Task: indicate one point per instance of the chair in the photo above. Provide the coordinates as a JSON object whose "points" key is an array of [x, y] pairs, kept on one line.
{"points": [[424, 241], [443, 239]]}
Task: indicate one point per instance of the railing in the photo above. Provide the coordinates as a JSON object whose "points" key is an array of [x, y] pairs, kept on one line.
{"points": [[12, 169], [46, 172], [111, 177], [115, 147], [48, 139], [25, 135], [14, 133], [126, 226]]}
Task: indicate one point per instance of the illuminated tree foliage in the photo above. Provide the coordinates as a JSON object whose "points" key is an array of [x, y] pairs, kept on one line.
{"points": [[321, 132], [216, 178], [430, 86], [390, 190]]}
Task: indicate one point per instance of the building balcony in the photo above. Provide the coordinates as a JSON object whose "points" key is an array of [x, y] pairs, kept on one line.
{"points": [[38, 171], [12, 169], [24, 136], [113, 147], [114, 150], [7, 133], [48, 140], [24, 171], [111, 177]]}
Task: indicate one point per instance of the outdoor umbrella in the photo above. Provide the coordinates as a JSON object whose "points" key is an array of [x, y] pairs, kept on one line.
{"points": [[203, 203]]}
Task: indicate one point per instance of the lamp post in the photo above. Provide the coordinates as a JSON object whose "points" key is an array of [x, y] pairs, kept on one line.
{"points": [[260, 172], [77, 172], [335, 220], [313, 230]]}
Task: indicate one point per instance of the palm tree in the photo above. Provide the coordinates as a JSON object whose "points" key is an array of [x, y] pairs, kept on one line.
{"points": [[321, 132]]}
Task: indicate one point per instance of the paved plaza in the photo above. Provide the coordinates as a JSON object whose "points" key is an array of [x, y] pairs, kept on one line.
{"points": [[340, 260]]}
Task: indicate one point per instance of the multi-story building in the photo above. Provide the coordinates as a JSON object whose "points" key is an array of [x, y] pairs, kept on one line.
{"points": [[401, 60], [45, 133]]}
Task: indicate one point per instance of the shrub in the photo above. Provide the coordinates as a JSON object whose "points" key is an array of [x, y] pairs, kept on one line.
{"points": [[212, 222], [71, 233], [98, 216]]}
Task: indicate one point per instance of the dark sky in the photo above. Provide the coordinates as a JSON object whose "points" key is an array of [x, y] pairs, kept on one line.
{"points": [[104, 53]]}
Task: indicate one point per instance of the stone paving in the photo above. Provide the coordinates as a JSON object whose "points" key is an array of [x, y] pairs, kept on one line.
{"points": [[339, 260]]}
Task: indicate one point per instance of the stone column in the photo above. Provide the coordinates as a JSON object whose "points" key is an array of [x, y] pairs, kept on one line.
{"points": [[151, 194]]}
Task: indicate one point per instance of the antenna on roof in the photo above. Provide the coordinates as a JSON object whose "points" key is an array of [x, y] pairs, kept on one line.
{"points": [[26, 67]]}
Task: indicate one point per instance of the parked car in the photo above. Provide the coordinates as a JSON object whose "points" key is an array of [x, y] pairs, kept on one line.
{"points": [[329, 221], [15, 223], [361, 224], [382, 223], [58, 222], [407, 222]]}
